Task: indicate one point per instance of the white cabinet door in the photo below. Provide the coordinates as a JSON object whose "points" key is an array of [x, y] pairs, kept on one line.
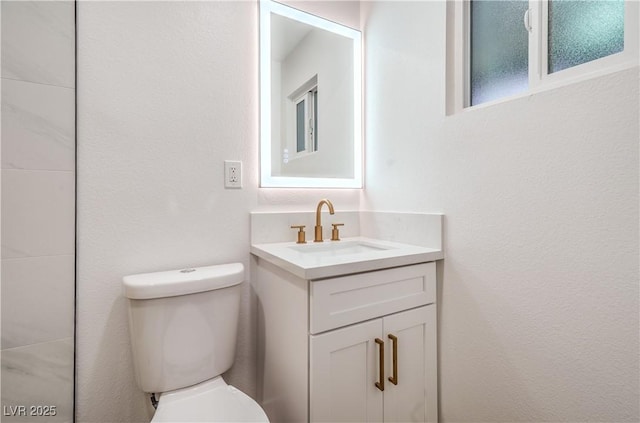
{"points": [[414, 398], [344, 366]]}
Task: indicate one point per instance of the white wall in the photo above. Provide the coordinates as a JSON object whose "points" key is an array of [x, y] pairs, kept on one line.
{"points": [[540, 295], [166, 92], [539, 299]]}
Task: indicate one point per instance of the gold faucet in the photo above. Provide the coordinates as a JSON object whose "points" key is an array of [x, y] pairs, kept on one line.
{"points": [[318, 237]]}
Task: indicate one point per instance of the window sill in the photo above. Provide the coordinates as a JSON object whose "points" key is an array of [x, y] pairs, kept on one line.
{"points": [[552, 85]]}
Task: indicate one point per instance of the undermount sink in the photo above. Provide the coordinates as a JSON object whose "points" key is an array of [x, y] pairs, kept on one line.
{"points": [[316, 260], [339, 248]]}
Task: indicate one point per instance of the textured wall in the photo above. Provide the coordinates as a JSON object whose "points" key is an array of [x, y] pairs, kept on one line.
{"points": [[539, 300], [166, 92]]}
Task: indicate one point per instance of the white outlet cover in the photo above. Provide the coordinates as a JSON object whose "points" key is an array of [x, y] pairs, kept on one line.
{"points": [[232, 174]]}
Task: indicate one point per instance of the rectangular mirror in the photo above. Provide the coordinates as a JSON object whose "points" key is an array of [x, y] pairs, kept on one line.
{"points": [[310, 100]]}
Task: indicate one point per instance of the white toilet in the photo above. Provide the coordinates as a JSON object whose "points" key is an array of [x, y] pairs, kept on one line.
{"points": [[183, 326]]}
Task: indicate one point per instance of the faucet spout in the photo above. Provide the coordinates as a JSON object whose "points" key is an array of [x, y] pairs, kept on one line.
{"points": [[318, 228]]}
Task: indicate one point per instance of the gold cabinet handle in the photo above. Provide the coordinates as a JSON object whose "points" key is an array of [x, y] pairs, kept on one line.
{"points": [[380, 385], [394, 379]]}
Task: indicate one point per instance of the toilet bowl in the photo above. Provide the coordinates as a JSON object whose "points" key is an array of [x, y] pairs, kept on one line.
{"points": [[209, 401], [183, 326]]}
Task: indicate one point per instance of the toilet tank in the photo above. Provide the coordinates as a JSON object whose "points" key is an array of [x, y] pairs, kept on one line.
{"points": [[183, 324]]}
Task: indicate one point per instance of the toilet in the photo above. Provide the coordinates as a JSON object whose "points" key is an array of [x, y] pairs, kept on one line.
{"points": [[183, 326]]}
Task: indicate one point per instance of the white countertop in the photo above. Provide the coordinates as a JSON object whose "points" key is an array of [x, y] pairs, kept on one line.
{"points": [[307, 265]]}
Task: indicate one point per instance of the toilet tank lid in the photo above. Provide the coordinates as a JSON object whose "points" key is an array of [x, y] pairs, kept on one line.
{"points": [[182, 282]]}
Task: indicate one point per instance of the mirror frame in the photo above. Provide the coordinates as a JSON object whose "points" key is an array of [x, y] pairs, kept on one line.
{"points": [[267, 180]]}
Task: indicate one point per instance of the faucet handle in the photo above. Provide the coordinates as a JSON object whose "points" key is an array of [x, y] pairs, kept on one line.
{"points": [[301, 234], [335, 232]]}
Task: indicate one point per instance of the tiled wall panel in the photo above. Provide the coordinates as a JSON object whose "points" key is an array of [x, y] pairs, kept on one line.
{"points": [[37, 300], [38, 209], [38, 127], [38, 375], [37, 213], [38, 42]]}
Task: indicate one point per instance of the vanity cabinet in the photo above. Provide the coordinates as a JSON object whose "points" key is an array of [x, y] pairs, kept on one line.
{"points": [[344, 368], [327, 347]]}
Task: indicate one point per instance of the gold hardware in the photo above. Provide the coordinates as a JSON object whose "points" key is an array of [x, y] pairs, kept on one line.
{"points": [[335, 232], [394, 379], [301, 235], [380, 385], [318, 237]]}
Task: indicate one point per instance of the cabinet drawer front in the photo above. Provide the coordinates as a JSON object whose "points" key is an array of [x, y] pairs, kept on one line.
{"points": [[345, 300]]}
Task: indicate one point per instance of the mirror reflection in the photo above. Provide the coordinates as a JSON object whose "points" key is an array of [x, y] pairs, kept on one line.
{"points": [[310, 100]]}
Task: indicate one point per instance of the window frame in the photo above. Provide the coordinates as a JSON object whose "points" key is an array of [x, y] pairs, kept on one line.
{"points": [[308, 93], [539, 78]]}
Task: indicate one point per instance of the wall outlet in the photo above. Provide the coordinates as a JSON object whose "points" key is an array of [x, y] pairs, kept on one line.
{"points": [[232, 174]]}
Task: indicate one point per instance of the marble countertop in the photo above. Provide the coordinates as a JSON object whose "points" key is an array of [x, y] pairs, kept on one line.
{"points": [[353, 255]]}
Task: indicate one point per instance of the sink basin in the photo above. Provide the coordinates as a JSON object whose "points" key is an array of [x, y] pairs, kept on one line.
{"points": [[317, 260], [338, 248]]}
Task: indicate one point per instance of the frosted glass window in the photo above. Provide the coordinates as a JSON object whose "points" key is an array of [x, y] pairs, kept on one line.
{"points": [[584, 30], [499, 49]]}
